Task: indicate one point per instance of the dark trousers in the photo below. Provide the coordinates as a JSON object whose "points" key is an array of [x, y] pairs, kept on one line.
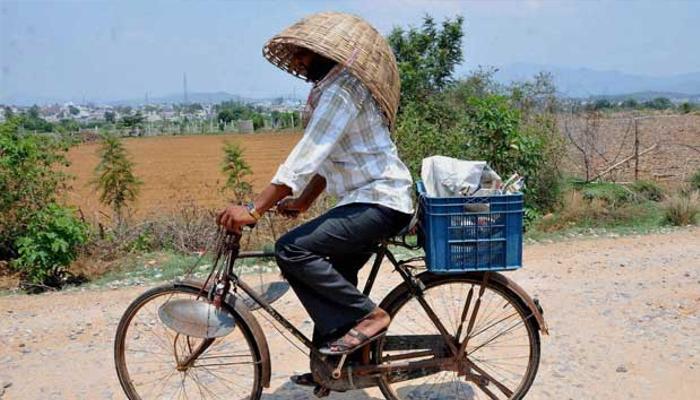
{"points": [[321, 258]]}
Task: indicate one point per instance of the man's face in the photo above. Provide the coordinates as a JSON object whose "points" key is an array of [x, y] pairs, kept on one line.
{"points": [[309, 63], [303, 60]]}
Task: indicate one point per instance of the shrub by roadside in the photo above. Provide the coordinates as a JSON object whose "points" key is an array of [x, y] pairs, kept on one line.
{"points": [[38, 235], [682, 208], [608, 205]]}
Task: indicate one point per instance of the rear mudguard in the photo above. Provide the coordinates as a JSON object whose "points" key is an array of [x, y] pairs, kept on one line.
{"points": [[533, 305], [247, 317], [500, 279]]}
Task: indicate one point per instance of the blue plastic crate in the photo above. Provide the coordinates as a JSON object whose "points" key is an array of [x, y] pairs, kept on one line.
{"points": [[482, 233]]}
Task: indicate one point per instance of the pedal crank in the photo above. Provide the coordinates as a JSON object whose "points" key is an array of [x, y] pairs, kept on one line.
{"points": [[339, 368]]}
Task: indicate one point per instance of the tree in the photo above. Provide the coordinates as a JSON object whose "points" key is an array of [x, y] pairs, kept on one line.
{"points": [[225, 116], [686, 107], [114, 177], [426, 56], [659, 103], [73, 110], [132, 121], [31, 120], [110, 117], [602, 104], [33, 112], [8, 112], [68, 125], [236, 169], [258, 120], [630, 104], [586, 135]]}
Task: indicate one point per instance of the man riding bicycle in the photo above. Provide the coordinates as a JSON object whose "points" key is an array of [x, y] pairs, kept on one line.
{"points": [[346, 150]]}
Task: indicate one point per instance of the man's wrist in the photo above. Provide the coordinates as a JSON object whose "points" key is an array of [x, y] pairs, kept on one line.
{"points": [[252, 211]]}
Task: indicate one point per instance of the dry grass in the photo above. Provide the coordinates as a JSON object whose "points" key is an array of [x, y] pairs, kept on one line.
{"points": [[682, 208], [580, 211], [188, 230]]}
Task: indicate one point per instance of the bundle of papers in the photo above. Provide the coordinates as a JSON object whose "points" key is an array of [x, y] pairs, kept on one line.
{"points": [[450, 177]]}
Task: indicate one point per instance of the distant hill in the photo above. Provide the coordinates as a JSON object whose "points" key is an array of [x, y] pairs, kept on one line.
{"points": [[646, 96], [571, 82], [585, 82]]}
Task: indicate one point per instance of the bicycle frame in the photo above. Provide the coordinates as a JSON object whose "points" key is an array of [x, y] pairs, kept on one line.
{"points": [[382, 251]]}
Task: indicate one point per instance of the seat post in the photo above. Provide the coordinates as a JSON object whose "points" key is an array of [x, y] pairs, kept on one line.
{"points": [[381, 251]]}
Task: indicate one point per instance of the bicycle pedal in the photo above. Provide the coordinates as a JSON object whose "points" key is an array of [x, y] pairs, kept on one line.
{"points": [[321, 391]]}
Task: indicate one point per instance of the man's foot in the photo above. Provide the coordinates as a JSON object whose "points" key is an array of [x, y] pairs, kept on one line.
{"points": [[369, 329], [306, 379]]}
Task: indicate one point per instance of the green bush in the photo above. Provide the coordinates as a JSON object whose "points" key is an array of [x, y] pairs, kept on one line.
{"points": [[648, 190], [30, 179], [49, 244], [612, 194]]}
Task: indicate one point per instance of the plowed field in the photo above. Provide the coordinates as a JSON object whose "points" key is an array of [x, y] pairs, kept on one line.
{"points": [[179, 169]]}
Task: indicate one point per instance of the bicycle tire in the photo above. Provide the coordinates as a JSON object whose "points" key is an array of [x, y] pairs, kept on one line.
{"points": [[204, 389], [396, 305]]}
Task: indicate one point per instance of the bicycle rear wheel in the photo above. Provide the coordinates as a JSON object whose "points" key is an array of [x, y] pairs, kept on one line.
{"points": [[502, 350], [147, 354]]}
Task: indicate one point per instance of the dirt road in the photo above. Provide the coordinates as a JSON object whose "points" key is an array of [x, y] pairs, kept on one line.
{"points": [[624, 317]]}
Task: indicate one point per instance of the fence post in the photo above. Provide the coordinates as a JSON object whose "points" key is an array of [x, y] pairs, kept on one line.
{"points": [[636, 150]]}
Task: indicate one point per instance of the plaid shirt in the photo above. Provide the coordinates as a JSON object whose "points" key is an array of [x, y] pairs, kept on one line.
{"points": [[348, 143]]}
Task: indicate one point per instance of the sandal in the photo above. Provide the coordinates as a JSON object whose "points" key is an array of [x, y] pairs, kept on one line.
{"points": [[339, 347], [306, 379]]}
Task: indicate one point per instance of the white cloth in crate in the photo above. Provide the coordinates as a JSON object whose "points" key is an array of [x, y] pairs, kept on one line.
{"points": [[450, 177]]}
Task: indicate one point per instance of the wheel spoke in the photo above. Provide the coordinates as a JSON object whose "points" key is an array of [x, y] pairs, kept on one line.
{"points": [[147, 352], [497, 342]]}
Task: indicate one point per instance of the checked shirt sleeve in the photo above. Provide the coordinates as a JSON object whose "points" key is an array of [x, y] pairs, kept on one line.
{"points": [[335, 110]]}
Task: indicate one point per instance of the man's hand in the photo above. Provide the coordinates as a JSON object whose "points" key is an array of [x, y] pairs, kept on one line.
{"points": [[234, 217], [290, 207]]}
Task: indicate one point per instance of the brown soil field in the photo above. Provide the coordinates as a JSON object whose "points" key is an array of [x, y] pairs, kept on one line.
{"points": [[179, 169]]}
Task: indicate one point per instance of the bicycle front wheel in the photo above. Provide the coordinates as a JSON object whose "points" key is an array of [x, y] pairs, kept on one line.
{"points": [[502, 349], [149, 356]]}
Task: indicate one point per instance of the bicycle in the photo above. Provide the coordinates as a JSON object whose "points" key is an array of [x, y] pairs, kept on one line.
{"points": [[468, 334]]}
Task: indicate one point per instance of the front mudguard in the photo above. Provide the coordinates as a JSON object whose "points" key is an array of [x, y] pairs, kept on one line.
{"points": [[247, 317]]}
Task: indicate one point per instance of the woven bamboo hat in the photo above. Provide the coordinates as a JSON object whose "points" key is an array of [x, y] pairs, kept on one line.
{"points": [[342, 37]]}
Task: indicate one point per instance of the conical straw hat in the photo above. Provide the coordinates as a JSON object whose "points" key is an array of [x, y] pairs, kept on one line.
{"points": [[342, 37]]}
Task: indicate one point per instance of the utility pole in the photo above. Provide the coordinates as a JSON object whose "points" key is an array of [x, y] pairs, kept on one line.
{"points": [[184, 85]]}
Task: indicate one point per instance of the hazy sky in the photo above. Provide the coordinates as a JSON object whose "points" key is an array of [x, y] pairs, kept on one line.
{"points": [[119, 50]]}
